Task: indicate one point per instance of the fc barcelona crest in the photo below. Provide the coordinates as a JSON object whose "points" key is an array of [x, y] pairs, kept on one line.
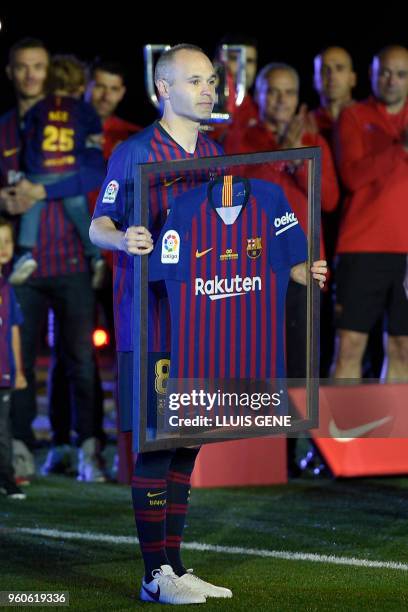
{"points": [[254, 247]]}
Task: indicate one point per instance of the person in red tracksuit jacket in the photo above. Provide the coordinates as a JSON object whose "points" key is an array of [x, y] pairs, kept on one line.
{"points": [[105, 91], [280, 126], [373, 239], [334, 80]]}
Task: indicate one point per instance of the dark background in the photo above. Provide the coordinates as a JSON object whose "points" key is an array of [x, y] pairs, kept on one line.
{"points": [[119, 31]]}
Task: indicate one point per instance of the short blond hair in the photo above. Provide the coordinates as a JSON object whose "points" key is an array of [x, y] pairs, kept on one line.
{"points": [[66, 72]]}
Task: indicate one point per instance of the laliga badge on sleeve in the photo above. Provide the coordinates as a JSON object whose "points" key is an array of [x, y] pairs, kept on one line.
{"points": [[111, 192], [170, 247]]}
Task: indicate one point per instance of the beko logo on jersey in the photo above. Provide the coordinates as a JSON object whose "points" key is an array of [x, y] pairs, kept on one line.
{"points": [[288, 220], [170, 247], [219, 288], [111, 192]]}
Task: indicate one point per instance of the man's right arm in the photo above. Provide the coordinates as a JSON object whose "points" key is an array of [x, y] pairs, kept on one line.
{"points": [[136, 240], [115, 200]]}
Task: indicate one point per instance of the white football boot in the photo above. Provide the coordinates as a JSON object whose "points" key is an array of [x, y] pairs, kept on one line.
{"points": [[168, 588], [205, 588]]}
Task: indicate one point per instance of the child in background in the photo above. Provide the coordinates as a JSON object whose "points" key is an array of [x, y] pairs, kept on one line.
{"points": [[57, 130], [11, 370]]}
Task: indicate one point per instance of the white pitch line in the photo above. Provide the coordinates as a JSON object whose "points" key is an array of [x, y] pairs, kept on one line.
{"points": [[229, 550]]}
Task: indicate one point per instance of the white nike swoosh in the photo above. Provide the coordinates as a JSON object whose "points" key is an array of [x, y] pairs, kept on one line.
{"points": [[220, 296], [346, 435]]}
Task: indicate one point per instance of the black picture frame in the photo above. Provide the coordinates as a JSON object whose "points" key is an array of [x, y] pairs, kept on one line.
{"points": [[143, 172]]}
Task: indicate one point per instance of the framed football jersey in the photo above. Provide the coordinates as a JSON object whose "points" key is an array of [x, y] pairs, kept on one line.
{"points": [[221, 330]]}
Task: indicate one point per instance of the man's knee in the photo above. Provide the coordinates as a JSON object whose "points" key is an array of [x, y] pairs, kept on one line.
{"points": [[351, 345], [397, 348]]}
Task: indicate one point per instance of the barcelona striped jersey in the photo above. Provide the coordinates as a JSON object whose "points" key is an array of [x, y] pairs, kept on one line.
{"points": [[56, 133], [226, 252], [59, 249]]}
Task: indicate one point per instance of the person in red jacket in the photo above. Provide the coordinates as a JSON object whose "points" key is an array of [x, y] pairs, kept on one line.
{"points": [[281, 126], [373, 239], [334, 80], [105, 91]]}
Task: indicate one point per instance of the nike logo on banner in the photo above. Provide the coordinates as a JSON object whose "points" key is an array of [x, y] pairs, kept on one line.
{"points": [[10, 152], [346, 435], [198, 254], [170, 183], [155, 494], [155, 595]]}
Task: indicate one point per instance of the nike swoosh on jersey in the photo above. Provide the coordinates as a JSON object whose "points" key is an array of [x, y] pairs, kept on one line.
{"points": [[170, 183], [200, 254], [221, 296], [346, 435], [155, 494], [155, 595], [10, 152]]}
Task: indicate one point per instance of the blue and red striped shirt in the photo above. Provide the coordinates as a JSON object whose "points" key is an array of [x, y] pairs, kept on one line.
{"points": [[59, 249], [10, 314], [116, 201], [56, 132], [226, 252], [10, 145]]}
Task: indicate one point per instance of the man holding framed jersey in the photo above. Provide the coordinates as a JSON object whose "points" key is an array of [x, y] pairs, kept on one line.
{"points": [[186, 81]]}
